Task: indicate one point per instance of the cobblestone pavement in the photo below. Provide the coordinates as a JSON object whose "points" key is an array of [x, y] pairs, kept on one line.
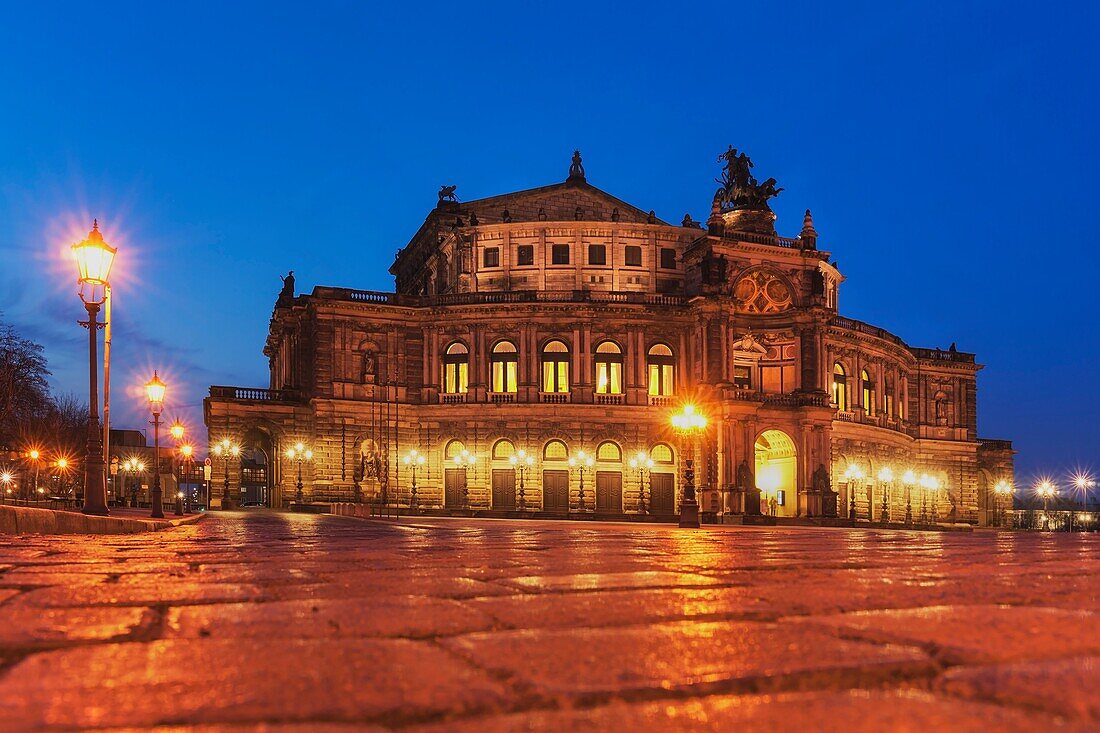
{"points": [[295, 622]]}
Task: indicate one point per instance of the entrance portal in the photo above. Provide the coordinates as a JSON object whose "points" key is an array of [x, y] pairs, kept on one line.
{"points": [[777, 474]]}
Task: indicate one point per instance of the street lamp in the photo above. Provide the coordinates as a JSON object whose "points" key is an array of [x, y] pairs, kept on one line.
{"points": [[853, 474], [413, 460], [465, 460], [643, 464], [187, 454], [689, 424], [6, 478], [522, 462], [1002, 489], [36, 456], [154, 391], [94, 258], [298, 453], [928, 485], [886, 478], [1046, 489], [225, 450], [133, 466], [1082, 482], [177, 432], [909, 479], [579, 464]]}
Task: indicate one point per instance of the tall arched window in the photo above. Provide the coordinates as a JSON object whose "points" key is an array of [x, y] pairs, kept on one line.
{"points": [[868, 392], [660, 362], [505, 364], [609, 368], [661, 453], [503, 449], [840, 387], [555, 367], [456, 368]]}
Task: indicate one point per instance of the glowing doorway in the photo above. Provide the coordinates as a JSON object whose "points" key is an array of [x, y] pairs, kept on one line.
{"points": [[776, 472]]}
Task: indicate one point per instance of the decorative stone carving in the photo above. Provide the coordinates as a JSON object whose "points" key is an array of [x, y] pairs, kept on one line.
{"points": [[762, 292]]}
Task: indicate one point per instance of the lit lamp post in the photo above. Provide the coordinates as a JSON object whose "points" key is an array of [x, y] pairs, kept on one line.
{"points": [[225, 450], [579, 464], [414, 461], [853, 474], [133, 466], [154, 390], [34, 455], [94, 258], [643, 465], [465, 461], [1002, 489], [187, 459], [886, 478], [909, 478], [522, 462], [299, 453], [62, 475], [177, 432], [1046, 489], [6, 478], [1082, 482], [929, 485], [689, 424]]}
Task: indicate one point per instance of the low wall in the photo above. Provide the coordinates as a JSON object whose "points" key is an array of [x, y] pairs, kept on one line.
{"points": [[29, 520]]}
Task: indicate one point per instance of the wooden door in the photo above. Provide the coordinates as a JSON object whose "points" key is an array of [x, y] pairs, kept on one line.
{"points": [[661, 493], [504, 488], [454, 483], [609, 492], [555, 491]]}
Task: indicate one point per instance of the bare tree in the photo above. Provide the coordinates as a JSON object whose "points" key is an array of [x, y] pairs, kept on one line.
{"points": [[24, 390]]}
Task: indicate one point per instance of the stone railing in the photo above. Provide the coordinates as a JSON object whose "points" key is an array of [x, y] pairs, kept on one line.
{"points": [[452, 399], [851, 324], [959, 357], [609, 399], [766, 239], [995, 444], [502, 397], [661, 400], [554, 398], [508, 296], [254, 394]]}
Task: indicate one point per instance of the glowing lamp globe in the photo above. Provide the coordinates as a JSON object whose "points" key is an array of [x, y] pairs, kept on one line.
{"points": [[176, 431], [94, 258], [154, 390]]}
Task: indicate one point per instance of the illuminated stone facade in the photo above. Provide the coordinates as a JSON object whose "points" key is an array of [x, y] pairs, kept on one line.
{"points": [[565, 323]]}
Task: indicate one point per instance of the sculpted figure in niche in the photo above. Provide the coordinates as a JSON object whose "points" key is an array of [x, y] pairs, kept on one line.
{"points": [[369, 367], [821, 481], [744, 476], [369, 463]]}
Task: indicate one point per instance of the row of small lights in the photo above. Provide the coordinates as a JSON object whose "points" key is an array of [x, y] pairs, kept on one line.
{"points": [[886, 474]]}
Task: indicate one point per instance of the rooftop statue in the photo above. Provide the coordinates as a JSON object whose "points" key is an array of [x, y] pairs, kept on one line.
{"points": [[447, 193], [739, 189], [576, 170]]}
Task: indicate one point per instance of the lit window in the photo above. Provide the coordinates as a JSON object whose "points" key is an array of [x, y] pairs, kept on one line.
{"points": [[555, 450], [555, 367], [491, 257], [661, 453], [609, 368], [456, 368], [504, 361], [840, 387], [525, 255], [503, 449], [742, 376], [660, 362], [668, 258], [868, 392], [633, 255], [559, 254], [609, 452], [597, 254]]}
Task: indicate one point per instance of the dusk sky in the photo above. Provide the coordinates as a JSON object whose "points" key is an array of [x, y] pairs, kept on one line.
{"points": [[949, 155]]}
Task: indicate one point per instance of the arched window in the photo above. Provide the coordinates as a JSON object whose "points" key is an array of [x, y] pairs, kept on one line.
{"points": [[609, 368], [555, 450], [503, 449], [660, 362], [869, 396], [504, 361], [454, 448], [661, 453], [840, 387], [555, 367], [609, 452], [456, 368]]}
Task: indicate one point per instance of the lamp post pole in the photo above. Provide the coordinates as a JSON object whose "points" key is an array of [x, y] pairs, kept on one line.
{"points": [[158, 497], [854, 474], [643, 464], [522, 463], [414, 460], [299, 453], [689, 424], [225, 449], [908, 478], [581, 463], [886, 478]]}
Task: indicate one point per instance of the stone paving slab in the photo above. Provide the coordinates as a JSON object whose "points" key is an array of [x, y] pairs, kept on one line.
{"points": [[267, 621]]}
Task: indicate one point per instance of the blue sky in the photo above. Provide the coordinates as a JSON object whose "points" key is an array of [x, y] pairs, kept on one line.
{"points": [[948, 151]]}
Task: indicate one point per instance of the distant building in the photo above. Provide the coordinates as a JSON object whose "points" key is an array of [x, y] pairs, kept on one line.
{"points": [[562, 321]]}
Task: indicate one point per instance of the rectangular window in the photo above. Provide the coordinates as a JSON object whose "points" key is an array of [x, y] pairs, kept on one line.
{"points": [[555, 376], [491, 258], [660, 379], [609, 377], [504, 376], [633, 255], [525, 255], [597, 254], [559, 254], [668, 258], [742, 377], [455, 378]]}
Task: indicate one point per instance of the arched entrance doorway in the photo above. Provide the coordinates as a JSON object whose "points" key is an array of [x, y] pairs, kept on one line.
{"points": [[777, 474], [256, 469]]}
